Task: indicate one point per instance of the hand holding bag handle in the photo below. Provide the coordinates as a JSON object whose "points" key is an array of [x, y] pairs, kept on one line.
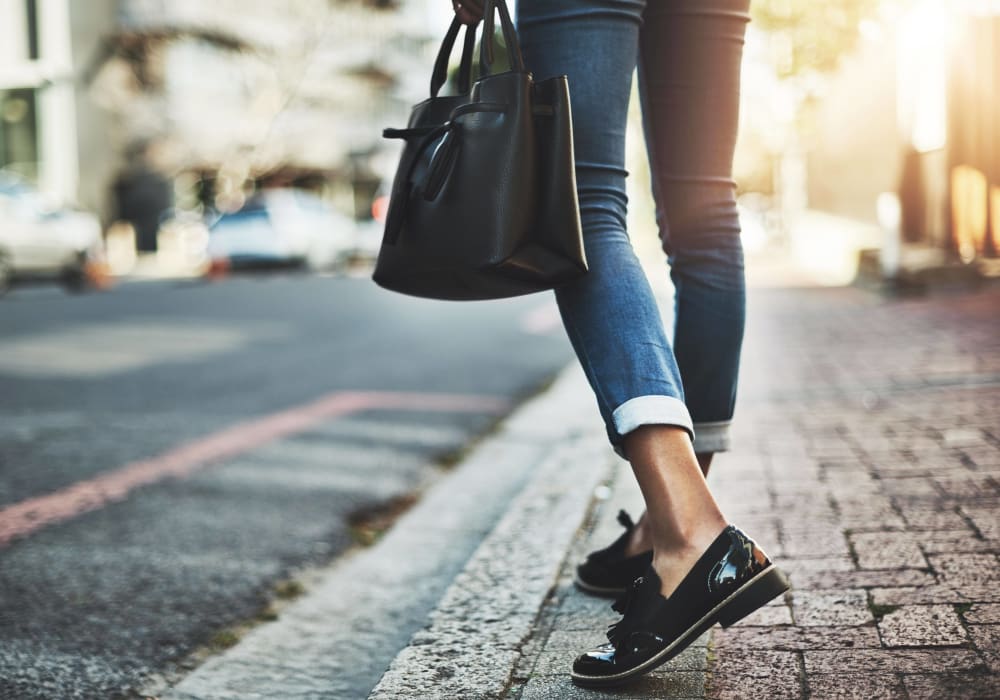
{"points": [[468, 11]]}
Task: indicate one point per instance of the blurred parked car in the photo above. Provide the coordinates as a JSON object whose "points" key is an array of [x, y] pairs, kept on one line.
{"points": [[282, 227], [368, 240], [40, 240]]}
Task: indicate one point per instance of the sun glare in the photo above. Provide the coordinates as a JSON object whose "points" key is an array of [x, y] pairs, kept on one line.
{"points": [[924, 35]]}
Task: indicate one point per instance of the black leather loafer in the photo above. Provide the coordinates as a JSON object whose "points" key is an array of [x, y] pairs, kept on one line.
{"points": [[731, 579], [608, 572]]}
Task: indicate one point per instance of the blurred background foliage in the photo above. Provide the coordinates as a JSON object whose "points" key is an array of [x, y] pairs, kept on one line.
{"points": [[811, 36]]}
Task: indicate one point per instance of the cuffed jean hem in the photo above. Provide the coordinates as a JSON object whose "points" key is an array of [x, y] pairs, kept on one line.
{"points": [[711, 436], [650, 410]]}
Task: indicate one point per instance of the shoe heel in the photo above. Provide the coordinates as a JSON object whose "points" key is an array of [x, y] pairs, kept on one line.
{"points": [[754, 596]]}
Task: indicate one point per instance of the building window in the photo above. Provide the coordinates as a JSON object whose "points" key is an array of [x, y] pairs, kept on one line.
{"points": [[20, 32], [31, 22], [19, 132]]}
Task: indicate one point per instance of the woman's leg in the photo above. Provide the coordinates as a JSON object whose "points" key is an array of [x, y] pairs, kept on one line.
{"points": [[641, 538], [610, 314], [702, 571], [683, 517], [689, 82]]}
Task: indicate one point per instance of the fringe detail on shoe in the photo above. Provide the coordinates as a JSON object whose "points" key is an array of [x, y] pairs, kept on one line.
{"points": [[619, 631]]}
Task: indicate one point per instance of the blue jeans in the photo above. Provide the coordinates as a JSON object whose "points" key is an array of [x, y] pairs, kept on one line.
{"points": [[688, 55]]}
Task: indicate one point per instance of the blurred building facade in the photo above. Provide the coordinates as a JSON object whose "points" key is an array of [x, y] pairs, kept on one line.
{"points": [[50, 131], [973, 135], [915, 110], [215, 95], [291, 92]]}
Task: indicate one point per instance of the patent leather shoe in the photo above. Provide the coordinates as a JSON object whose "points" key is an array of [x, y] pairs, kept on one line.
{"points": [[608, 572], [732, 579]]}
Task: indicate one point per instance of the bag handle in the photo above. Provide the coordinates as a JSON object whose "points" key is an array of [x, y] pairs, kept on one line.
{"points": [[486, 58], [486, 52], [440, 74], [465, 68]]}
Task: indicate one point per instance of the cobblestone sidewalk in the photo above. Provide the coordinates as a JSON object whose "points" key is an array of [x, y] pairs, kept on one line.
{"points": [[867, 462]]}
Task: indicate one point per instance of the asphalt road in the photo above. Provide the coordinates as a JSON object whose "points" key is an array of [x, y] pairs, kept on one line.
{"points": [[170, 452]]}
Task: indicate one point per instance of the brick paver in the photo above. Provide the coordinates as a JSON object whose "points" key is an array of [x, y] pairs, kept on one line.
{"points": [[867, 463], [874, 426]]}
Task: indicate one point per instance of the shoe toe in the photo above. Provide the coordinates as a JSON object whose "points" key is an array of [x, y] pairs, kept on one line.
{"points": [[599, 661]]}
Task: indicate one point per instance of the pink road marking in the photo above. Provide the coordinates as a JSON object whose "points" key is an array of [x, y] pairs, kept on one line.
{"points": [[28, 516], [434, 402]]}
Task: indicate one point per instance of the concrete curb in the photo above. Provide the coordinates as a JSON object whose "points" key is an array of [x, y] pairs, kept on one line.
{"points": [[475, 636], [331, 642]]}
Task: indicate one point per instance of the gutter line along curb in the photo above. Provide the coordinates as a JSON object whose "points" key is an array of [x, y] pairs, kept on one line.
{"points": [[525, 488], [473, 641]]}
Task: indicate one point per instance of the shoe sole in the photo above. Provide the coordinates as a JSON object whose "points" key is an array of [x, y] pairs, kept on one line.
{"points": [[599, 591], [751, 596]]}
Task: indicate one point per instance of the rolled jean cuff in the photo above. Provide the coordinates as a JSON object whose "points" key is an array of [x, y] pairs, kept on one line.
{"points": [[652, 410], [711, 436]]}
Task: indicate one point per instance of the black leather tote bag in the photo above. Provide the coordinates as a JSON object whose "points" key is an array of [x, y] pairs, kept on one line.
{"points": [[484, 201]]}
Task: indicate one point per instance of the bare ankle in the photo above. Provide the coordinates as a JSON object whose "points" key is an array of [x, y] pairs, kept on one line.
{"points": [[673, 565], [674, 557], [641, 539], [681, 537], [690, 537]]}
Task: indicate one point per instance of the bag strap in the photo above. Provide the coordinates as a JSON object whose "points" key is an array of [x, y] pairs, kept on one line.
{"points": [[486, 51], [465, 67], [486, 58], [440, 74]]}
